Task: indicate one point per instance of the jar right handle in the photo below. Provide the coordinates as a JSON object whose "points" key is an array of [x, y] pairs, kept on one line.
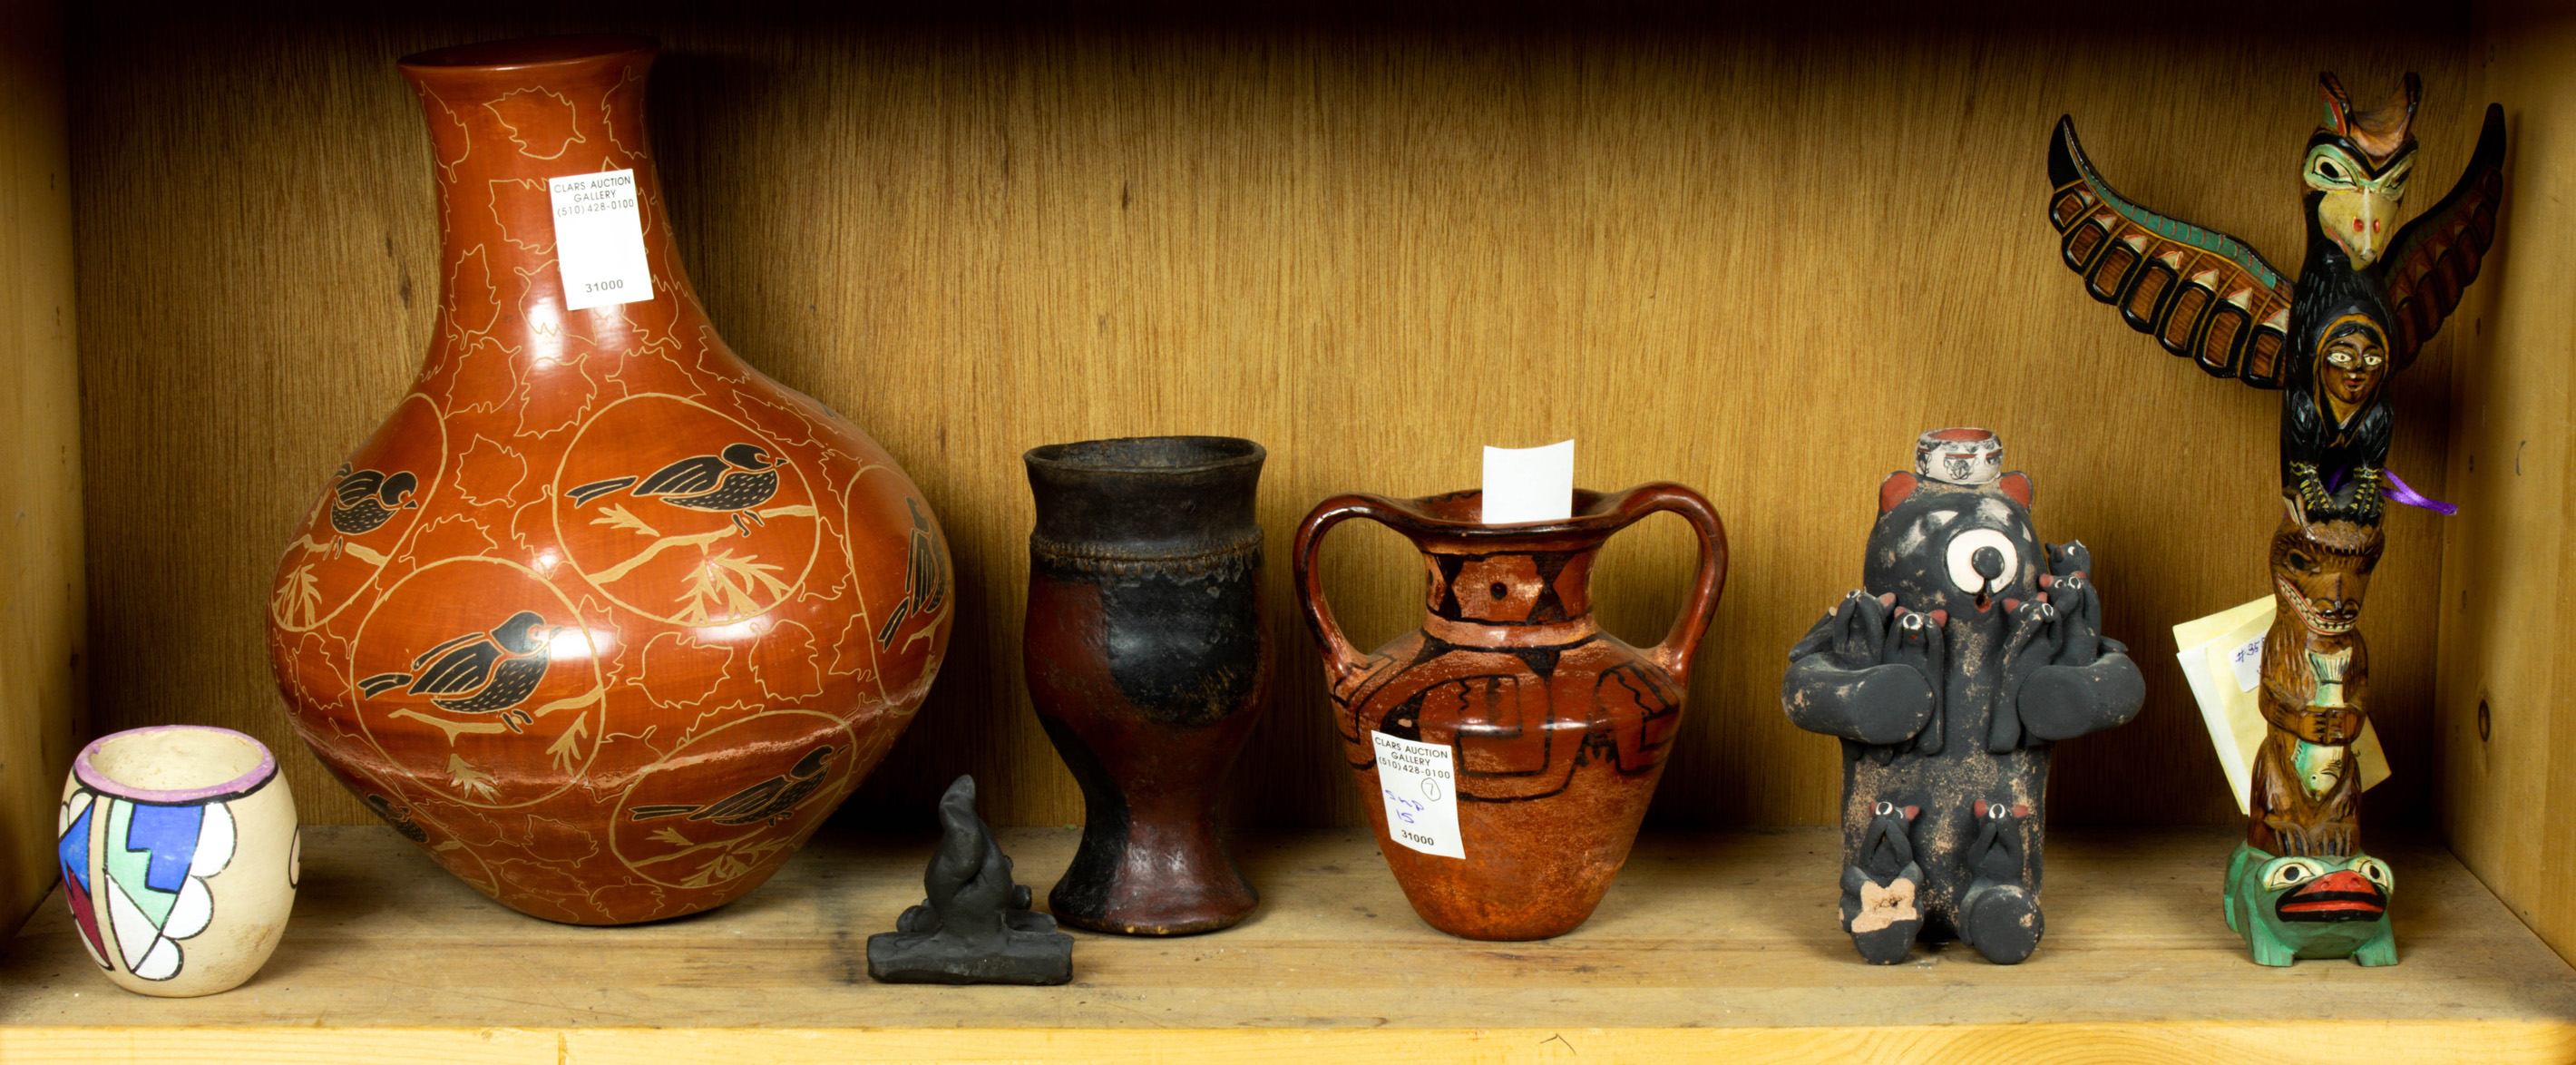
{"points": [[1674, 654], [1342, 662]]}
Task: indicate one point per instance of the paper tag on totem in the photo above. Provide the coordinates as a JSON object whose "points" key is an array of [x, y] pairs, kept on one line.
{"points": [[599, 239], [2246, 661], [2222, 659], [1420, 787], [1529, 483]]}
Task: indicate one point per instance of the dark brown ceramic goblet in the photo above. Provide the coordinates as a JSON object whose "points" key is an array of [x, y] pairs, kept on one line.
{"points": [[1147, 658]]}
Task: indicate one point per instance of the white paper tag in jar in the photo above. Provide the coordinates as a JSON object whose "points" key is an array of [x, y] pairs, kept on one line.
{"points": [[1527, 484], [1420, 788], [599, 239]]}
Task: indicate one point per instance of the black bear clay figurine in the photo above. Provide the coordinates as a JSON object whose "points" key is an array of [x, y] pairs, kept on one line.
{"points": [[976, 926], [1971, 649]]}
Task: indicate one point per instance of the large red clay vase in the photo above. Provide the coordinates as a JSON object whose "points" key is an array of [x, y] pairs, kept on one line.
{"points": [[603, 619], [1556, 730]]}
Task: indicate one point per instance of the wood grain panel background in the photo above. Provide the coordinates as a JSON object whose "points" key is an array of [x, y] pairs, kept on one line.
{"points": [[40, 464], [2507, 803], [1756, 257]]}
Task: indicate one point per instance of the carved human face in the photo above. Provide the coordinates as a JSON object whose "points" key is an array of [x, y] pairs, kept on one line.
{"points": [[2322, 569], [2352, 363]]}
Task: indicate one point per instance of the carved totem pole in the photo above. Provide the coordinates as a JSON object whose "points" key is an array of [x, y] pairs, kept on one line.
{"points": [[2367, 298], [1970, 649]]}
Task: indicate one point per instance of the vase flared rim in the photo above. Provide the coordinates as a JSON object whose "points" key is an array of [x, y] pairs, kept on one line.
{"points": [[1126, 454], [530, 53], [86, 769], [1462, 514]]}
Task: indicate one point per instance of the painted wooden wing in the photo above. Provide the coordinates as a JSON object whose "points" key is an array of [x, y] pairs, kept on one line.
{"points": [[2201, 293], [2437, 255]]}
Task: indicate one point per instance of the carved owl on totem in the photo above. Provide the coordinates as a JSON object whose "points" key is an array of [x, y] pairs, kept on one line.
{"points": [[2367, 297]]}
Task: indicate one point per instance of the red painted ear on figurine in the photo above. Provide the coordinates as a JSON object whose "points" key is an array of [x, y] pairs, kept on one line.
{"points": [[2017, 485], [1894, 489]]}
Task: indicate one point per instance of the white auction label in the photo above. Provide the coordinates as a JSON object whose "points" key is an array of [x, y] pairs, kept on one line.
{"points": [[599, 239], [1421, 791], [2247, 661]]}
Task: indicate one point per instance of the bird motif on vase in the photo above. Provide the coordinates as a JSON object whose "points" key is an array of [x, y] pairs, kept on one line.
{"points": [[489, 672], [734, 481], [398, 816], [2369, 293], [362, 501], [925, 579], [770, 800]]}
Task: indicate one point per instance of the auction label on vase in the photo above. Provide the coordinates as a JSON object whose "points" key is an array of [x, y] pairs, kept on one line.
{"points": [[599, 239], [1420, 787]]}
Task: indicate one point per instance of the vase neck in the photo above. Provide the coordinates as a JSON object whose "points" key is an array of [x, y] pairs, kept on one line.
{"points": [[505, 120], [1539, 597]]}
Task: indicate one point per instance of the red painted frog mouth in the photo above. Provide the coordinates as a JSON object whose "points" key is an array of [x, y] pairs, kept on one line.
{"points": [[2338, 896]]}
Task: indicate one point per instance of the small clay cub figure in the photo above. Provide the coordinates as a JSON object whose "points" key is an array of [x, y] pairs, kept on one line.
{"points": [[1972, 648]]}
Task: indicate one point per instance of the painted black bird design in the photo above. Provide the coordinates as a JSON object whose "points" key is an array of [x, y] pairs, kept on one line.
{"points": [[480, 672], [925, 579], [397, 816], [770, 800], [362, 501], [735, 480]]}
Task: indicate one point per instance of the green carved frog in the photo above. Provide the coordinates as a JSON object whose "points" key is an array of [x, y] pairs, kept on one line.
{"points": [[2293, 907]]}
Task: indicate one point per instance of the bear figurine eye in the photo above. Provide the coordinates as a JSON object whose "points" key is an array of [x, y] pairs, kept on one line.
{"points": [[1999, 564]]}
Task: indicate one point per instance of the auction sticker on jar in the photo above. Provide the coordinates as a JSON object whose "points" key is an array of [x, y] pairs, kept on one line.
{"points": [[599, 239], [1420, 786]]}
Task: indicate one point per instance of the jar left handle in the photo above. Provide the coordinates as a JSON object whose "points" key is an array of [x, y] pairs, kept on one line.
{"points": [[1342, 662]]}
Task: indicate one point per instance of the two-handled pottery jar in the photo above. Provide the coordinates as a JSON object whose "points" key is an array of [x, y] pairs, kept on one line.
{"points": [[1555, 729]]}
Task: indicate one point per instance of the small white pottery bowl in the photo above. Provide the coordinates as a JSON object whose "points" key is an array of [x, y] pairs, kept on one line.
{"points": [[179, 856]]}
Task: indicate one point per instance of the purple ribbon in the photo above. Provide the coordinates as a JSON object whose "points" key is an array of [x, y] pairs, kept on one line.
{"points": [[2398, 490]]}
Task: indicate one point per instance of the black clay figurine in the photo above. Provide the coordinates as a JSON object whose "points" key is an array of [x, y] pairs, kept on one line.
{"points": [[976, 926], [1973, 648]]}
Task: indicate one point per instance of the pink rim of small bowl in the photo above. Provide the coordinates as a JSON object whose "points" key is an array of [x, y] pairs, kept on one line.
{"points": [[243, 784]]}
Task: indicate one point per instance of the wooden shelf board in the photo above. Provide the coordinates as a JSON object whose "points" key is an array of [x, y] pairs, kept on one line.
{"points": [[1721, 946]]}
